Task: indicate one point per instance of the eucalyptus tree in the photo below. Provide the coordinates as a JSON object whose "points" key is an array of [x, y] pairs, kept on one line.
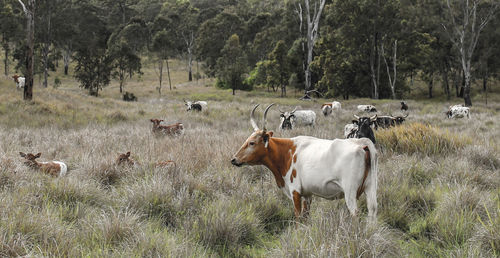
{"points": [[232, 64], [465, 21]]}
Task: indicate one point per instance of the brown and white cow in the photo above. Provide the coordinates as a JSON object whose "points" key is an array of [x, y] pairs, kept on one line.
{"points": [[304, 166], [53, 168], [172, 130], [19, 80]]}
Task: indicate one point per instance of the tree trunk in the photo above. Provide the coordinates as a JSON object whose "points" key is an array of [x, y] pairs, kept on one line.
{"points": [[168, 73], [312, 36], [446, 85], [122, 80], [6, 58], [461, 93], [430, 84], [160, 68], [66, 58], [29, 11], [45, 53], [373, 54], [467, 99], [190, 65]]}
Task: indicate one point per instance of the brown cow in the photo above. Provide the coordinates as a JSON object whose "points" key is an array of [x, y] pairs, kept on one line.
{"points": [[53, 168], [172, 130]]}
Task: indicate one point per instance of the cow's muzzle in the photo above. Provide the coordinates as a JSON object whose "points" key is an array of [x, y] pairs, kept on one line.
{"points": [[235, 162]]}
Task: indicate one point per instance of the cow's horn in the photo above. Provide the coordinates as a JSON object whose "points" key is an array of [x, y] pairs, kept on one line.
{"points": [[280, 111], [265, 116], [373, 118], [295, 109], [405, 116], [357, 117], [252, 118]]}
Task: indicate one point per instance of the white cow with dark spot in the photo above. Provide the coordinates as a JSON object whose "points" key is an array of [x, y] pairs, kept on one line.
{"points": [[458, 111], [367, 108], [290, 120]]}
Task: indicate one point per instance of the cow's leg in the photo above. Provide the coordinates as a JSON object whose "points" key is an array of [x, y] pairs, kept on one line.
{"points": [[297, 199], [350, 200], [306, 205], [371, 200]]}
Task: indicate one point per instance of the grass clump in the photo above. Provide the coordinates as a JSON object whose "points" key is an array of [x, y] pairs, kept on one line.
{"points": [[227, 226], [420, 138]]}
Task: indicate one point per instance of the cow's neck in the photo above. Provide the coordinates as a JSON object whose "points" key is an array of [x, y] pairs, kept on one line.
{"points": [[279, 158]]}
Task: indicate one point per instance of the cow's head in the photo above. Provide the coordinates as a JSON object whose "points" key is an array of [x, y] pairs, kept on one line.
{"points": [[156, 122], [287, 118], [364, 121], [254, 149], [400, 119], [30, 158], [124, 159], [16, 77], [188, 104]]}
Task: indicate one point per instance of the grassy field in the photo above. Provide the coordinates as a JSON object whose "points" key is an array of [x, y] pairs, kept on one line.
{"points": [[439, 180]]}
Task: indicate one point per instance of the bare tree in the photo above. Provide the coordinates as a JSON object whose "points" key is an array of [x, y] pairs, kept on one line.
{"points": [[313, 16], [392, 80], [464, 33], [29, 11]]}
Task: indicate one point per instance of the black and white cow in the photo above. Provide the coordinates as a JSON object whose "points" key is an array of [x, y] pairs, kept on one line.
{"points": [[289, 120], [363, 129], [197, 105], [458, 111]]}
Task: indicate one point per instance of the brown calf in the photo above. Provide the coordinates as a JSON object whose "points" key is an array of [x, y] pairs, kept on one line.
{"points": [[53, 168], [124, 159], [172, 130]]}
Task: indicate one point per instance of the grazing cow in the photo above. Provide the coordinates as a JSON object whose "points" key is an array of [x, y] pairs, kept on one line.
{"points": [[20, 81], [172, 130], [367, 108], [404, 106], [197, 105], [458, 111], [53, 168], [384, 122], [327, 110], [305, 166], [125, 159], [400, 119], [364, 129], [289, 120]]}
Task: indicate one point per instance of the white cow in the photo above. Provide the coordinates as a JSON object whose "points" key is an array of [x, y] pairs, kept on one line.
{"points": [[458, 111], [367, 108], [289, 120], [305, 166]]}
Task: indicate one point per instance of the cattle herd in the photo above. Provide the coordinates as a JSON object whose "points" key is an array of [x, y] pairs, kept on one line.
{"points": [[302, 166]]}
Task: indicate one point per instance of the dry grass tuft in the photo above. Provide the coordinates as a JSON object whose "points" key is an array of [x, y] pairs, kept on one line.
{"points": [[420, 138]]}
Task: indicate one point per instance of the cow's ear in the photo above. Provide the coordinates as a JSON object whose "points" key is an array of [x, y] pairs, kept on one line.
{"points": [[22, 154], [270, 133], [355, 122], [128, 154], [265, 138], [38, 155]]}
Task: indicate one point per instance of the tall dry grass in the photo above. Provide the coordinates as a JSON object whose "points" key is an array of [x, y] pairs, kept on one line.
{"points": [[438, 179]]}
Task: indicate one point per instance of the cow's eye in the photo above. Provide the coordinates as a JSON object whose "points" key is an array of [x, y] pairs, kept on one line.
{"points": [[252, 143]]}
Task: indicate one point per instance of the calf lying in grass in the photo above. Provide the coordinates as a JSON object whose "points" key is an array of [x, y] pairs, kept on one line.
{"points": [[172, 130], [124, 159], [53, 168]]}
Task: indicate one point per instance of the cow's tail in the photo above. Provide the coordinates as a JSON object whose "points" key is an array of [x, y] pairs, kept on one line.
{"points": [[371, 169]]}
